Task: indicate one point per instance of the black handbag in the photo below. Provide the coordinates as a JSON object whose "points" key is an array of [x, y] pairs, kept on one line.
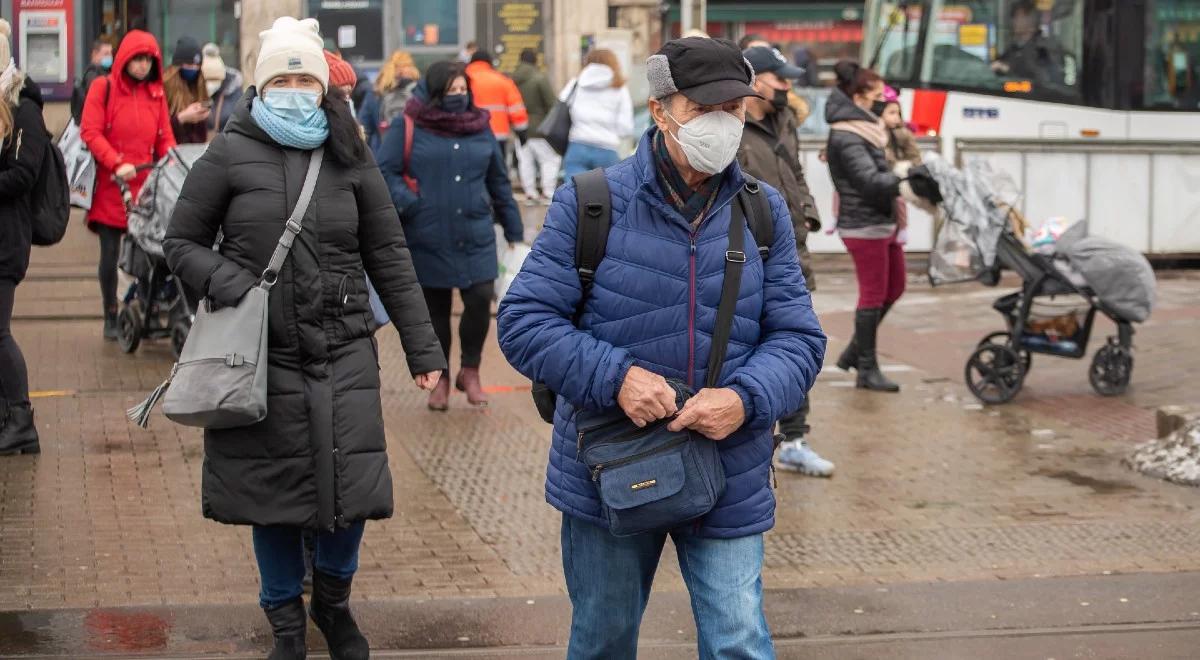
{"points": [[556, 127], [650, 479]]}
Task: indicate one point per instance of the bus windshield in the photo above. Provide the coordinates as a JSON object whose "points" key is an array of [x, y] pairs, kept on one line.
{"points": [[1029, 48]]}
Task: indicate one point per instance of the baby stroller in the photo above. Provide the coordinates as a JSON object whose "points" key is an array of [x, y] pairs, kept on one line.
{"points": [[1062, 287], [156, 305]]}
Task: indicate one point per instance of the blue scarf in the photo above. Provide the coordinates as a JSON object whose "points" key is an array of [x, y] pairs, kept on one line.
{"points": [[308, 135]]}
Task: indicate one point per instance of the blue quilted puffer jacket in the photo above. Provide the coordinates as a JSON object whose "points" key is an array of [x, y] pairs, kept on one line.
{"points": [[654, 304]]}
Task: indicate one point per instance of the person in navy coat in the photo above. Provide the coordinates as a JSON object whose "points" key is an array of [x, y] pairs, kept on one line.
{"points": [[449, 190]]}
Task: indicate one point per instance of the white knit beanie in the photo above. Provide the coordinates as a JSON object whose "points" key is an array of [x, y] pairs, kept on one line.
{"points": [[212, 67], [291, 46]]}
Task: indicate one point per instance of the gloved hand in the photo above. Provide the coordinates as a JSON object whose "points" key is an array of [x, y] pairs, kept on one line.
{"points": [[924, 185]]}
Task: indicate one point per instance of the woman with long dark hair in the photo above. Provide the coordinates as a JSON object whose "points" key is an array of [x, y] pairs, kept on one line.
{"points": [[867, 191], [319, 459], [448, 190], [187, 97]]}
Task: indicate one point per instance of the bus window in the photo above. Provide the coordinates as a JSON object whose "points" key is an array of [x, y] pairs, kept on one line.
{"points": [[894, 30], [1026, 48], [1172, 63]]}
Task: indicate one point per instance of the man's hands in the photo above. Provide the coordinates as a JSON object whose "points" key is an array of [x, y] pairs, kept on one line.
{"points": [[428, 381], [714, 413], [646, 397]]}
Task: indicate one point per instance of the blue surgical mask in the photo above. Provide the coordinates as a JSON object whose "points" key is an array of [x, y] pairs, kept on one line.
{"points": [[106, 62], [296, 105], [189, 75], [456, 102]]}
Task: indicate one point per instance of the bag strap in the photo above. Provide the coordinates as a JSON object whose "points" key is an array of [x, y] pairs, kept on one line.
{"points": [[408, 142], [758, 214], [292, 228], [593, 218], [735, 259]]}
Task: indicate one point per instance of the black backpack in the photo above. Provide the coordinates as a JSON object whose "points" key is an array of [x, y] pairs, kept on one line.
{"points": [[594, 217], [50, 199]]}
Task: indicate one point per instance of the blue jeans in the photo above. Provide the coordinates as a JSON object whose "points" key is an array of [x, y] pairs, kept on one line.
{"points": [[280, 555], [609, 580], [582, 157]]}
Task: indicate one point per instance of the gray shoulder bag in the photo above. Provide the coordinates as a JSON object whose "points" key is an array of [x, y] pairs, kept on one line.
{"points": [[220, 381]]}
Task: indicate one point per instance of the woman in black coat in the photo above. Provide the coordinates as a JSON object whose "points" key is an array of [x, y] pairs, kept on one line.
{"points": [[867, 191], [460, 183], [25, 141], [318, 461]]}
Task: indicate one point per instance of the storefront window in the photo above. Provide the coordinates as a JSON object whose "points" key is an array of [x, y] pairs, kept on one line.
{"points": [[1018, 47], [429, 23], [203, 20], [1172, 65]]}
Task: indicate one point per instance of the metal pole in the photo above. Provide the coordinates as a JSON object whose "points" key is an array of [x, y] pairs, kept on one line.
{"points": [[693, 15]]}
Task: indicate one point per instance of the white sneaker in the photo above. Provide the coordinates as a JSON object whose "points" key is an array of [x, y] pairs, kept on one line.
{"points": [[796, 456]]}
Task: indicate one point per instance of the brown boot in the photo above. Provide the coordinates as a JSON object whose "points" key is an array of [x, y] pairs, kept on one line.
{"points": [[468, 381], [439, 398]]}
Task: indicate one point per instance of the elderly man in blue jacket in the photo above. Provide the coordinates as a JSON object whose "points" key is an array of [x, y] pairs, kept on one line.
{"points": [[650, 316]]}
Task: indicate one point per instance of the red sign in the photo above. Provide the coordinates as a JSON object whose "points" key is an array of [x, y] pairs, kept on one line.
{"points": [[811, 32]]}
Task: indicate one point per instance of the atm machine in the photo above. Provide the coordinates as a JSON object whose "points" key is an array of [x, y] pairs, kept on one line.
{"points": [[43, 49]]}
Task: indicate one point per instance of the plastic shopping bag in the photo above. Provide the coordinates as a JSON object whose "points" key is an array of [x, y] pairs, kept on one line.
{"points": [[510, 265], [81, 167]]}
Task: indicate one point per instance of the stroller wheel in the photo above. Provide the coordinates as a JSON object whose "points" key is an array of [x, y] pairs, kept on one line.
{"points": [[1111, 369], [1005, 339], [179, 333], [995, 373], [129, 327]]}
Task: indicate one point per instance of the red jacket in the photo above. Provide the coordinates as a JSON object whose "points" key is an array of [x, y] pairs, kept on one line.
{"points": [[125, 121], [498, 94]]}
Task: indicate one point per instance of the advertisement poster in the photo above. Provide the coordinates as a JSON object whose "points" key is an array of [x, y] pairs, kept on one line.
{"points": [[517, 26]]}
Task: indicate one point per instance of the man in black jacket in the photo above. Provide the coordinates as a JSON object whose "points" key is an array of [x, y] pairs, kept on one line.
{"points": [[770, 151], [99, 65]]}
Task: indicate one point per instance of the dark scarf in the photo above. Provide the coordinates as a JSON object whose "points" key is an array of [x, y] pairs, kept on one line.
{"points": [[692, 205], [438, 121]]}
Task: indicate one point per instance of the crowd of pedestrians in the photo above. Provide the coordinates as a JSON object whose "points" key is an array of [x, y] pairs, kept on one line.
{"points": [[691, 323]]}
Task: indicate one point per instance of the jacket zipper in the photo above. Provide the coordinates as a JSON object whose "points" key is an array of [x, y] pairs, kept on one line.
{"points": [[638, 456]]}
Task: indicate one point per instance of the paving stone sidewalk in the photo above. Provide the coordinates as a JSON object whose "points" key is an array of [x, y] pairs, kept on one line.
{"points": [[930, 485]]}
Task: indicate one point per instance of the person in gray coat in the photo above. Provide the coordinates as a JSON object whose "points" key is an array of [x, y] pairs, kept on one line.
{"points": [[319, 459]]}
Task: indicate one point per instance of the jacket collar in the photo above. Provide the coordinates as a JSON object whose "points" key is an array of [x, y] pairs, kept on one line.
{"points": [[652, 194]]}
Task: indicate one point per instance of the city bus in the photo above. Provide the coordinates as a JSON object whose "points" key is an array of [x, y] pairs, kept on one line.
{"points": [[1091, 106]]}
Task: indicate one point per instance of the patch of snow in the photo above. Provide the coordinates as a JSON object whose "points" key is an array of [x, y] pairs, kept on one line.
{"points": [[1175, 458]]}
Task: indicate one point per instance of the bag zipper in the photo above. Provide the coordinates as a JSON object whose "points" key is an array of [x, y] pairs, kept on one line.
{"points": [[640, 455], [615, 422]]}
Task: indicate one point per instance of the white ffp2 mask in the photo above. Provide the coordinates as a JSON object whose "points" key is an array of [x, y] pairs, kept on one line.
{"points": [[710, 141]]}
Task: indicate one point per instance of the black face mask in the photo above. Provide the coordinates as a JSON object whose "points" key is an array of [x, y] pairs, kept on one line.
{"points": [[780, 99], [456, 102], [878, 107]]}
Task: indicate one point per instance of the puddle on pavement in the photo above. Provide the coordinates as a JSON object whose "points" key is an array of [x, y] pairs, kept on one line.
{"points": [[1098, 486]]}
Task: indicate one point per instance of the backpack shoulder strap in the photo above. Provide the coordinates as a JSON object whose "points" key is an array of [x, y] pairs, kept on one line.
{"points": [[758, 215], [735, 259], [594, 217]]}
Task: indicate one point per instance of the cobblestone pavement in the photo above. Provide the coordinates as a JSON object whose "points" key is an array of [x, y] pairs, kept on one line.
{"points": [[930, 485]]}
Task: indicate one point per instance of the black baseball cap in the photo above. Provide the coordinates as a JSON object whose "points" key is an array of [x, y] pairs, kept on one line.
{"points": [[770, 60], [707, 71]]}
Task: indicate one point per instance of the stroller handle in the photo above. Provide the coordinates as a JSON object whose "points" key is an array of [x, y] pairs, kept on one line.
{"points": [[123, 185]]}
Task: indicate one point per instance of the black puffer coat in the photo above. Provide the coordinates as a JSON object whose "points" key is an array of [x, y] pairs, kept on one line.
{"points": [[865, 184], [319, 458], [20, 166]]}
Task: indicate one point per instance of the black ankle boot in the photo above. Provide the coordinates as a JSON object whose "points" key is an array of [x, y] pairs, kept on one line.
{"points": [[110, 325], [866, 326], [849, 358], [330, 610], [288, 626], [19, 435]]}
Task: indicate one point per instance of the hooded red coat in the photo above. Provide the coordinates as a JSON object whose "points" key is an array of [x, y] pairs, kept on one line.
{"points": [[125, 121]]}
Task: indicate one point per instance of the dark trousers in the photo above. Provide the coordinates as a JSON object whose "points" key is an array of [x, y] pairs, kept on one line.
{"points": [[110, 253], [475, 322], [280, 555], [795, 424], [879, 266], [14, 377]]}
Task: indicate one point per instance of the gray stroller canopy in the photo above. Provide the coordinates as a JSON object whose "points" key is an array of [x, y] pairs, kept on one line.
{"points": [[976, 207], [152, 211]]}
